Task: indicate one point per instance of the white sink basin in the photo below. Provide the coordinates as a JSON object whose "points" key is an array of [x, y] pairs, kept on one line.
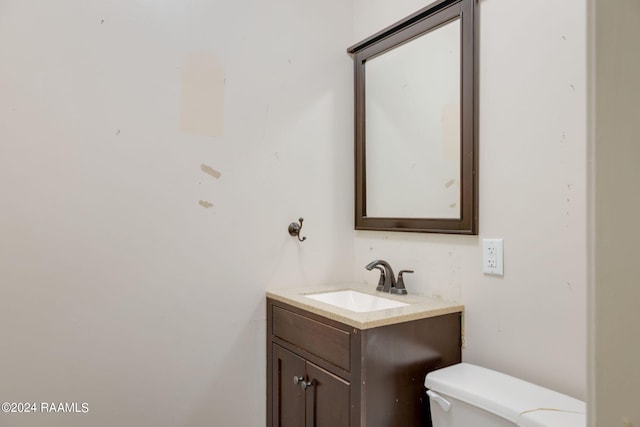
{"points": [[356, 301]]}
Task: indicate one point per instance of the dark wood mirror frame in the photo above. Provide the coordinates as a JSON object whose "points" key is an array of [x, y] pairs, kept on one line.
{"points": [[423, 21]]}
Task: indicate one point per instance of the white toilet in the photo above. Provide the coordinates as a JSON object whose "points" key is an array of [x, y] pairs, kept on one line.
{"points": [[466, 395]]}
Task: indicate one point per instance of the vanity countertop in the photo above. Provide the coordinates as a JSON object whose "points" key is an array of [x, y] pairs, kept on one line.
{"points": [[419, 307]]}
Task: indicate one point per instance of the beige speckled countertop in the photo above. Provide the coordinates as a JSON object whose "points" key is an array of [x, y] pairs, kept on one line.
{"points": [[419, 307]]}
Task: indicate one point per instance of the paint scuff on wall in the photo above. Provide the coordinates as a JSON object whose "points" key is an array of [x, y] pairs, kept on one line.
{"points": [[210, 171]]}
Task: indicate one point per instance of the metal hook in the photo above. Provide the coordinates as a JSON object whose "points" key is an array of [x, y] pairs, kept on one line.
{"points": [[294, 229]]}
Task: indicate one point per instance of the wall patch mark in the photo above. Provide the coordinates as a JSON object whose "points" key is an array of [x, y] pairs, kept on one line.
{"points": [[205, 204], [202, 97], [210, 171], [449, 183]]}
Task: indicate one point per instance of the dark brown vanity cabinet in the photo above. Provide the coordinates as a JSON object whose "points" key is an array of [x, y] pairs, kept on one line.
{"points": [[324, 373], [307, 395]]}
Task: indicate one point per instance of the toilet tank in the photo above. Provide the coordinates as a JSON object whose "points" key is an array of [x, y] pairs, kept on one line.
{"points": [[466, 395]]}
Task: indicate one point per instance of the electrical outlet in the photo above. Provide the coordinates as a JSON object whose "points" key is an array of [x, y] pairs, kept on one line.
{"points": [[493, 256]]}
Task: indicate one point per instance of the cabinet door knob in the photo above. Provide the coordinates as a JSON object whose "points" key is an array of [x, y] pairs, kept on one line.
{"points": [[303, 384]]}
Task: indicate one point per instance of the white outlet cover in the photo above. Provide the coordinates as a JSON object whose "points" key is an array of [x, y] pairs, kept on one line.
{"points": [[493, 256]]}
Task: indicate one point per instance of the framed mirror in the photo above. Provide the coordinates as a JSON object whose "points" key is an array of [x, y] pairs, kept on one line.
{"points": [[416, 138]]}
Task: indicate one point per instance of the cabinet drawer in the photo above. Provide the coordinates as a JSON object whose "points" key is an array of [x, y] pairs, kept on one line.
{"points": [[327, 342]]}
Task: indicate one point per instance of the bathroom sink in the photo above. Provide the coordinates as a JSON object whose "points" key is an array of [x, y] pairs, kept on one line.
{"points": [[355, 301]]}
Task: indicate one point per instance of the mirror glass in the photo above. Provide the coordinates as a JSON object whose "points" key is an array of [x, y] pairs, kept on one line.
{"points": [[412, 121], [416, 137]]}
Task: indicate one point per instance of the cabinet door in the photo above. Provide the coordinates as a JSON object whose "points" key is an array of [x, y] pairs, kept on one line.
{"points": [[328, 400], [288, 398]]}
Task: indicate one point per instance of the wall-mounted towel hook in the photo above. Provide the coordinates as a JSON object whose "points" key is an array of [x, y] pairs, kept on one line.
{"points": [[294, 229]]}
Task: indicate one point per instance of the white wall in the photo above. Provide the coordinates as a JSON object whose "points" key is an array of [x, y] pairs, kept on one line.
{"points": [[615, 208], [117, 287], [531, 322]]}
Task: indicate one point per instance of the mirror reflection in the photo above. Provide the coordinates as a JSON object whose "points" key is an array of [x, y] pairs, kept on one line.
{"points": [[412, 121]]}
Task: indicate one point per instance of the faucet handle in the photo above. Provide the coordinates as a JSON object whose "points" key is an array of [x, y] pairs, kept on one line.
{"points": [[400, 289]]}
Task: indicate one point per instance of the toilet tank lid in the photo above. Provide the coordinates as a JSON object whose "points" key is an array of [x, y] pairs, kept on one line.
{"points": [[503, 395], [544, 418]]}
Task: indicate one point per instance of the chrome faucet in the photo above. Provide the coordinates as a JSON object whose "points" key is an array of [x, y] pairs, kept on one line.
{"points": [[387, 282], [389, 277]]}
